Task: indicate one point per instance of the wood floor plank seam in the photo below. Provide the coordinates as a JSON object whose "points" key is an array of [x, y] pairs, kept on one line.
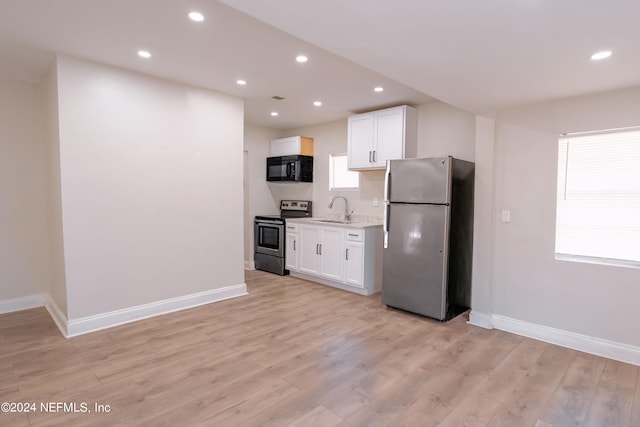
{"points": [[293, 352], [548, 399]]}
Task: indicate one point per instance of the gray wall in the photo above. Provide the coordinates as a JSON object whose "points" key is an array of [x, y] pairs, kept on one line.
{"points": [[23, 269], [528, 283], [151, 177], [112, 188]]}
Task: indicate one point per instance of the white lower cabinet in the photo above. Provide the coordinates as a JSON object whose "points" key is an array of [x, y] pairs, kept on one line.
{"points": [[291, 250], [321, 251], [354, 262], [339, 256], [331, 264], [309, 240]]}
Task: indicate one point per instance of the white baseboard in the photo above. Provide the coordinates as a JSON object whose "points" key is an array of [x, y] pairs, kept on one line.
{"points": [[310, 278], [592, 345], [88, 324], [57, 315], [249, 265], [480, 319], [600, 347], [23, 303]]}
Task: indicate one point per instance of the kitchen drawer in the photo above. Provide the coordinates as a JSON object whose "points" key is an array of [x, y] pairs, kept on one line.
{"points": [[291, 228], [354, 235]]}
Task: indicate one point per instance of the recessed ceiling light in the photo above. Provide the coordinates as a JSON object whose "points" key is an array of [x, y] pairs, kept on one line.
{"points": [[241, 82], [274, 113], [301, 58], [378, 89], [196, 16], [317, 103], [144, 54], [601, 55]]}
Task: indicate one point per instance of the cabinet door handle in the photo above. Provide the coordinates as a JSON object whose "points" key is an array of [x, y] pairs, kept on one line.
{"points": [[346, 255], [374, 156], [369, 156], [320, 249], [317, 249], [294, 245]]}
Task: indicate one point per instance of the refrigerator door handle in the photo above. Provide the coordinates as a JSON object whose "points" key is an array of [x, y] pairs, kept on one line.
{"points": [[387, 178], [385, 224]]}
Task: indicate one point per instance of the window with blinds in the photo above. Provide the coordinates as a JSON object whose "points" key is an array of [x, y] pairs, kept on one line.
{"points": [[598, 208]]}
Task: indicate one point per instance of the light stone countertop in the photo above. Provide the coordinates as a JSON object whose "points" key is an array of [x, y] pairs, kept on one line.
{"points": [[330, 222]]}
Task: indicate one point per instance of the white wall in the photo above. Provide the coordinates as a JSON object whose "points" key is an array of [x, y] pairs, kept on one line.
{"points": [[444, 130], [57, 289], [22, 221], [528, 283], [483, 216], [151, 179], [260, 200]]}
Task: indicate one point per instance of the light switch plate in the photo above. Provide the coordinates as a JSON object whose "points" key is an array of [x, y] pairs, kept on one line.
{"points": [[506, 216]]}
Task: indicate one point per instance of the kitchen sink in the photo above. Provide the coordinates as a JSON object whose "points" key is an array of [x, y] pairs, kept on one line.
{"points": [[334, 221]]}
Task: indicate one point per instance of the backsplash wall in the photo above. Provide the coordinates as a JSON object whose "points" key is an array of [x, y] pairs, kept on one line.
{"points": [[442, 130], [331, 138]]}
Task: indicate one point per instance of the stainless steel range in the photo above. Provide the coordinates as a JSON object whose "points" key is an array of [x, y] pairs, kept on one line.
{"points": [[269, 236]]}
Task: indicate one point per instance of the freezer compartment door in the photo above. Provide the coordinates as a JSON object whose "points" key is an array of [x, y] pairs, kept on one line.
{"points": [[419, 180], [414, 273]]}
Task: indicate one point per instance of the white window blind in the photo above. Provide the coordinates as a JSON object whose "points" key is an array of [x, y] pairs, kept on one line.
{"points": [[340, 177], [598, 208]]}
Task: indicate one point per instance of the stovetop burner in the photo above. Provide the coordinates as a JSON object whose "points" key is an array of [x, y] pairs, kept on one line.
{"points": [[290, 209], [295, 208]]}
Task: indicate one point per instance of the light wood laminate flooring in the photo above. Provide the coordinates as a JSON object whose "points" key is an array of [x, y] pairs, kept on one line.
{"points": [[295, 353]]}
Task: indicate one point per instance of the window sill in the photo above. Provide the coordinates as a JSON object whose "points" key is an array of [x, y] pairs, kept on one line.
{"points": [[600, 261]]}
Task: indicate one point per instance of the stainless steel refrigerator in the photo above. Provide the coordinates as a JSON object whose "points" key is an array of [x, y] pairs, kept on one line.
{"points": [[428, 236]]}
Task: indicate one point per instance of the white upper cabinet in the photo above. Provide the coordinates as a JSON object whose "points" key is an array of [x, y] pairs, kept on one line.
{"points": [[360, 146], [291, 146], [378, 136]]}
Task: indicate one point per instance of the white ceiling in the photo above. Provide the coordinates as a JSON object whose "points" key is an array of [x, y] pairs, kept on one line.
{"points": [[477, 55]]}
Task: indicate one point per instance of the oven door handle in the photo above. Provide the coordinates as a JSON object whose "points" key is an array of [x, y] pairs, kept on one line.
{"points": [[266, 221]]}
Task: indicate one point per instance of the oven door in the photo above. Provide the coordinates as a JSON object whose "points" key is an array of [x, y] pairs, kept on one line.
{"points": [[269, 237]]}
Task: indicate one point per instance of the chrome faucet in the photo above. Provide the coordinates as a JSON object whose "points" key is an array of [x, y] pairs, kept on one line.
{"points": [[347, 215]]}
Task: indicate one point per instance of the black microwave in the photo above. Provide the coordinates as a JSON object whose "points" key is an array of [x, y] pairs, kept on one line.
{"points": [[290, 168]]}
